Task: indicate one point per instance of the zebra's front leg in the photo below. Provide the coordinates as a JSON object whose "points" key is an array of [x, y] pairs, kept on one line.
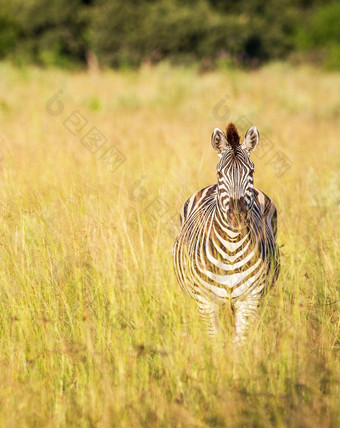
{"points": [[209, 315], [246, 311]]}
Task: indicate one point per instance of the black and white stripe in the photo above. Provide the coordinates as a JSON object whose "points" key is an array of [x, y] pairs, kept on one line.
{"points": [[226, 250]]}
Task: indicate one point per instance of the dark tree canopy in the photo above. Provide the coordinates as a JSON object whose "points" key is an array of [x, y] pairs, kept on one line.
{"points": [[128, 32]]}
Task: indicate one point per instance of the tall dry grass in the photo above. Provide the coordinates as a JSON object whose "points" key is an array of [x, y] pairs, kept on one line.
{"points": [[94, 331]]}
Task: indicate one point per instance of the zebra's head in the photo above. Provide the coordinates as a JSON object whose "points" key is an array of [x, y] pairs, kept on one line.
{"points": [[235, 173]]}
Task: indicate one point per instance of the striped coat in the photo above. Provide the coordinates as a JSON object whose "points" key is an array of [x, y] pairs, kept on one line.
{"points": [[214, 260]]}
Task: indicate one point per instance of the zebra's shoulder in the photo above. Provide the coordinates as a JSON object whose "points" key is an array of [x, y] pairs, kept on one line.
{"points": [[264, 203], [267, 209], [197, 199]]}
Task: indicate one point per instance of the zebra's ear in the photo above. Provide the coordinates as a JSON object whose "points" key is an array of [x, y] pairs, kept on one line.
{"points": [[219, 141], [251, 139]]}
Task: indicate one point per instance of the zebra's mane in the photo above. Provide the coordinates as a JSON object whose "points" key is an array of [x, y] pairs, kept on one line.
{"points": [[233, 137]]}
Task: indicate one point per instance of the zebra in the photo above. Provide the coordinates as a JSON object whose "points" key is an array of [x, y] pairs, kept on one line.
{"points": [[226, 249]]}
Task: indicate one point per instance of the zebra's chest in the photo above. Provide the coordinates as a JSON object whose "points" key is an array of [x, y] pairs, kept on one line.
{"points": [[224, 263]]}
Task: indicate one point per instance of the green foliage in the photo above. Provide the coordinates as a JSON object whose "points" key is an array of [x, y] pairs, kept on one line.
{"points": [[321, 34], [126, 32], [154, 30], [323, 28], [157, 30], [8, 28], [43, 31]]}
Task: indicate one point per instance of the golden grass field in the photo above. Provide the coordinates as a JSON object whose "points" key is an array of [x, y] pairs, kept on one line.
{"points": [[94, 330]]}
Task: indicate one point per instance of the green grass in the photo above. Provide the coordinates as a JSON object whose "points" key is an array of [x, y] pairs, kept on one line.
{"points": [[94, 330]]}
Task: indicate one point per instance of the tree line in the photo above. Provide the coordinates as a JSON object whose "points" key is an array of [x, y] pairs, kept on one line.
{"points": [[125, 33]]}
